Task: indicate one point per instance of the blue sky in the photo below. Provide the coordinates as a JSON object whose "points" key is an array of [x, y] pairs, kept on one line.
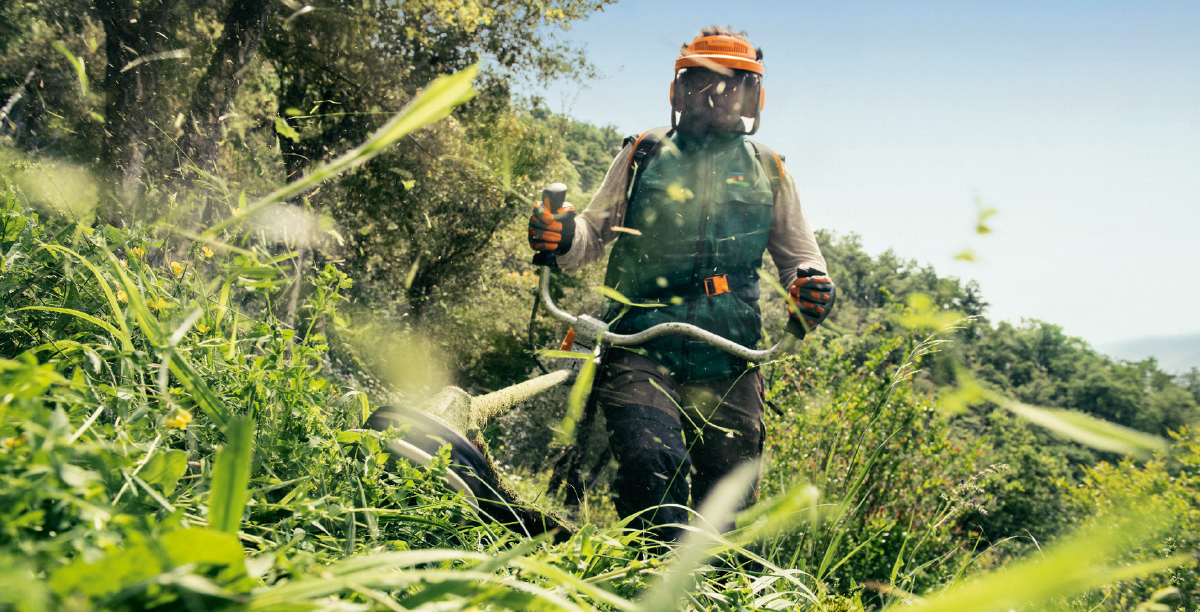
{"points": [[1079, 121]]}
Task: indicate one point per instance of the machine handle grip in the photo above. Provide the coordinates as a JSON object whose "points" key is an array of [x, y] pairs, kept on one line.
{"points": [[553, 197]]}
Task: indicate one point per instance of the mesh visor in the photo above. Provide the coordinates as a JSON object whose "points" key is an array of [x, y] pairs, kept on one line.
{"points": [[738, 91]]}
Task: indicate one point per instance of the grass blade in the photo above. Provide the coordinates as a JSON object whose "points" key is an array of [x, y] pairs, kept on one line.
{"points": [[1087, 430], [231, 474], [108, 327], [1080, 563], [718, 510], [109, 296]]}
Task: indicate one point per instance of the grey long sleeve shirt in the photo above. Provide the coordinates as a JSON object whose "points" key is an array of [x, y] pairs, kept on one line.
{"points": [[791, 242]]}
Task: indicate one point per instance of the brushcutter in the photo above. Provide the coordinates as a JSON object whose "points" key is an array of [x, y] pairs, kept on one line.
{"points": [[455, 418]]}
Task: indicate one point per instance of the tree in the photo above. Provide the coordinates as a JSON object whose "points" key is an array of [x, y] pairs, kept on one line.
{"points": [[348, 65]]}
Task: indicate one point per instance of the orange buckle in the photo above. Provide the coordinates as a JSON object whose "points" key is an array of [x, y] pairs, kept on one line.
{"points": [[716, 285]]}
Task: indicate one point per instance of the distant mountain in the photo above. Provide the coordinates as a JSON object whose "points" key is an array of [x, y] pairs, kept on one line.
{"points": [[1176, 354]]}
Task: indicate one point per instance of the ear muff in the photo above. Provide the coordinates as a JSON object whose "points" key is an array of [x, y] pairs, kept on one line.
{"points": [[672, 94], [762, 97]]}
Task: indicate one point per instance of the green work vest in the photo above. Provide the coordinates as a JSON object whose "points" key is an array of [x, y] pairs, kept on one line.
{"points": [[702, 207]]}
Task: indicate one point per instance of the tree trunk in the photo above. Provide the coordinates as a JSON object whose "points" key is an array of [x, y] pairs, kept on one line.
{"points": [[131, 29], [215, 94]]}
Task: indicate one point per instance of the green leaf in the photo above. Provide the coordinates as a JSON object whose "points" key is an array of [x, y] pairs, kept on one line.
{"points": [[115, 571], [563, 354], [165, 469], [76, 63], [617, 296], [231, 474], [203, 546], [575, 402], [17, 588], [924, 314], [285, 130], [142, 559], [349, 437]]}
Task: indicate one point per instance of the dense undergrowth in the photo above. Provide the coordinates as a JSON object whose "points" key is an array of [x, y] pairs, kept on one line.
{"points": [[168, 441]]}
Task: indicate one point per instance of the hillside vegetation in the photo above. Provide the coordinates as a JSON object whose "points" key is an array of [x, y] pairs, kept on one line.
{"points": [[215, 265]]}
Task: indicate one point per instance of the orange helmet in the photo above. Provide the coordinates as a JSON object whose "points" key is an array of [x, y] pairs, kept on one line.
{"points": [[731, 56], [720, 50]]}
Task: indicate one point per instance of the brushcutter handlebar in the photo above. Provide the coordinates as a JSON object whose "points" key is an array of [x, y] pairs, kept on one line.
{"points": [[591, 328]]}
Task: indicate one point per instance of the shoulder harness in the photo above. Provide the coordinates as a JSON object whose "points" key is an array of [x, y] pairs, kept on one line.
{"points": [[647, 144]]}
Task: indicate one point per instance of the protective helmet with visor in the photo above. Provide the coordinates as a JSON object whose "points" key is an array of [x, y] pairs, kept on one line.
{"points": [[723, 73]]}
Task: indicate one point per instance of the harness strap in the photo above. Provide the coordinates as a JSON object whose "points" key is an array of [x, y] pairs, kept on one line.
{"points": [[774, 170], [647, 143], [711, 286], [644, 147]]}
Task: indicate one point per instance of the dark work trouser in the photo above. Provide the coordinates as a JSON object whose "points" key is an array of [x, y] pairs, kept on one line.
{"points": [[661, 431]]}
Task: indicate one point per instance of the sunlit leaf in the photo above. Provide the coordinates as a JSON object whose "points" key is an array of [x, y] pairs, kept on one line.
{"points": [[922, 313], [76, 63], [576, 402], [966, 255], [679, 193], [1086, 429], [985, 213], [617, 296], [563, 354], [154, 57], [285, 130]]}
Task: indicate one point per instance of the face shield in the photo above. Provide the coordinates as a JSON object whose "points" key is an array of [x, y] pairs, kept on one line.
{"points": [[705, 100]]}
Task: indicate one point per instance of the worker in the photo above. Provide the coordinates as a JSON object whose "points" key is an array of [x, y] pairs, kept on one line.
{"points": [[689, 211]]}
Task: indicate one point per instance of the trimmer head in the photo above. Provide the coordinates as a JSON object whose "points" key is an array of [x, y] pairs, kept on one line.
{"points": [[480, 479]]}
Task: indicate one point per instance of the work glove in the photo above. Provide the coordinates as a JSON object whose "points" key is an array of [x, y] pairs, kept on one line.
{"points": [[552, 231], [811, 297]]}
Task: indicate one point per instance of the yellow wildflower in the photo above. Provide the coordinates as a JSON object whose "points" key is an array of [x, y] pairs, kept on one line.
{"points": [[208, 253], [137, 251], [179, 420], [10, 443], [202, 328], [122, 296], [176, 268]]}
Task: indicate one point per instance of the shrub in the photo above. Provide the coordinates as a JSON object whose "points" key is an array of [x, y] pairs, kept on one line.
{"points": [[896, 480]]}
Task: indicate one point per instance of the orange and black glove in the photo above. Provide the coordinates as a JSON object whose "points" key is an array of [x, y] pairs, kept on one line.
{"points": [[811, 297], [552, 231]]}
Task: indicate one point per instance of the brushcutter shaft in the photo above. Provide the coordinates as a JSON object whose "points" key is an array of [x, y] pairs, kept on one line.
{"points": [[584, 327]]}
